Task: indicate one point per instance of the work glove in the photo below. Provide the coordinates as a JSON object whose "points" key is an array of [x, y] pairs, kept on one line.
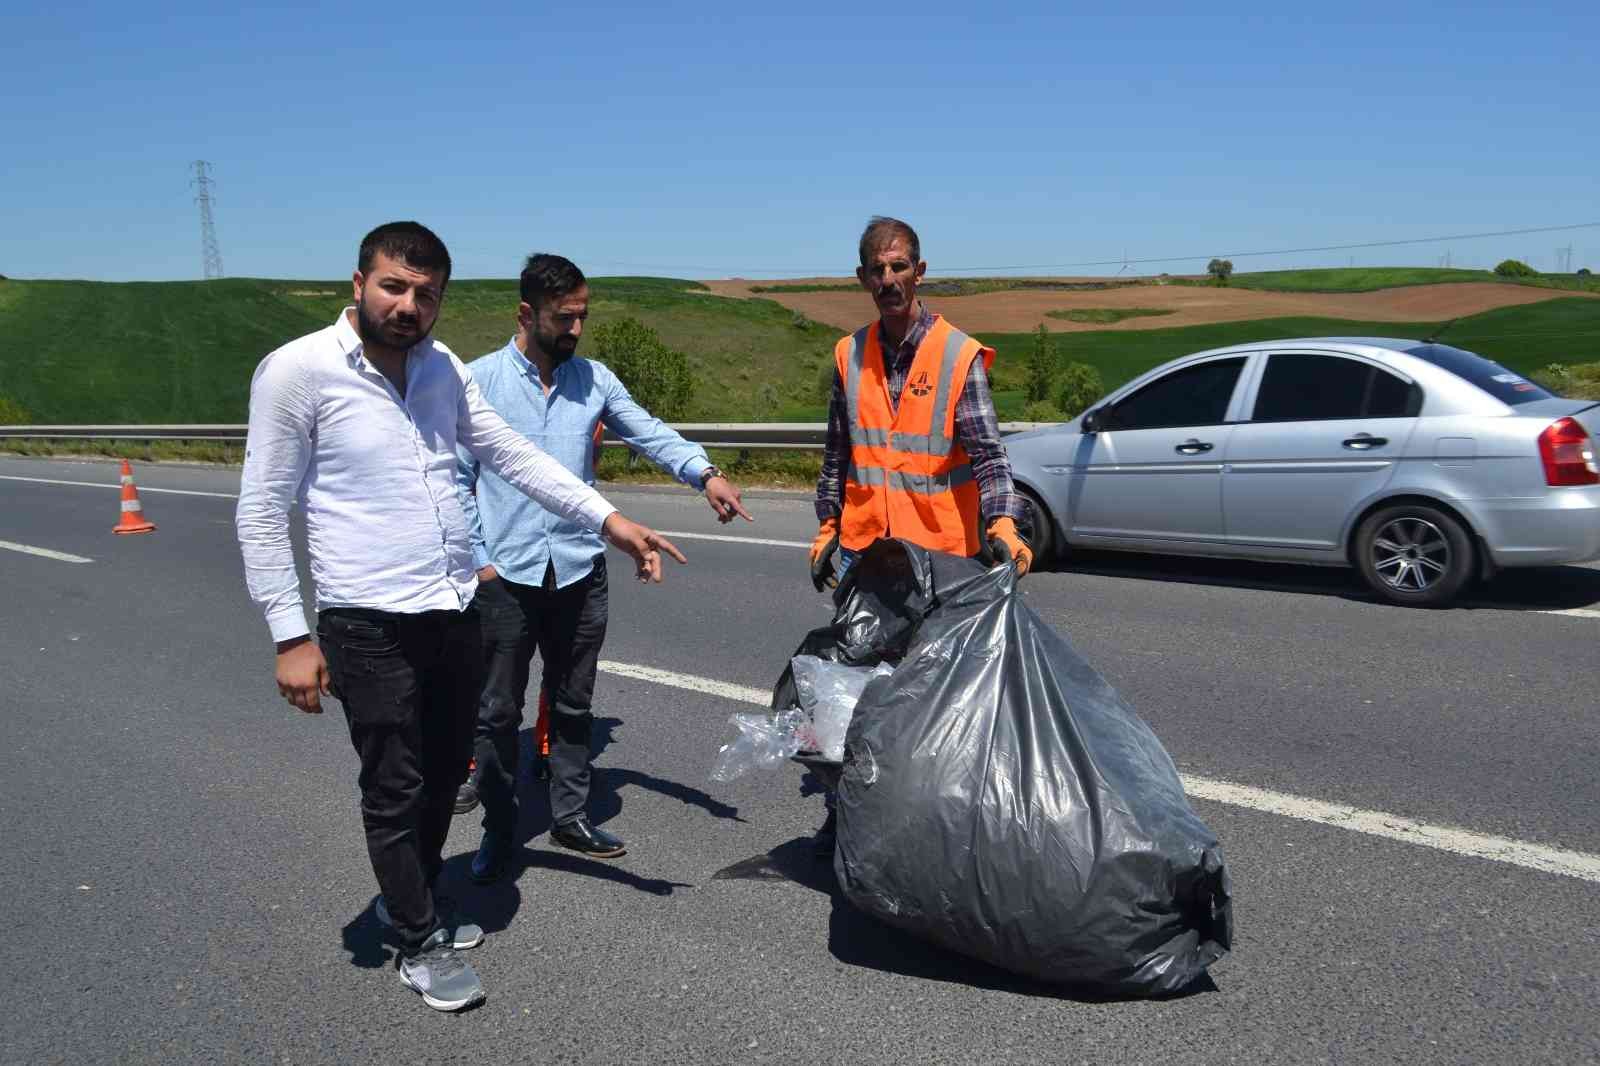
{"points": [[1007, 545], [822, 551]]}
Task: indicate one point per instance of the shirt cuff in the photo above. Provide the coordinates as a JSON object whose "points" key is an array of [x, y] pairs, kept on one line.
{"points": [[288, 623], [827, 509], [694, 471], [595, 515], [480, 556]]}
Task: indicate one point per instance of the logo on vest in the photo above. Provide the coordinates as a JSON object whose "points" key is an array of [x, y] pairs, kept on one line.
{"points": [[920, 386]]}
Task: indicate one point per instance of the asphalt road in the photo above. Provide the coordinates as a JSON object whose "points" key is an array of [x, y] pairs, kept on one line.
{"points": [[190, 883]]}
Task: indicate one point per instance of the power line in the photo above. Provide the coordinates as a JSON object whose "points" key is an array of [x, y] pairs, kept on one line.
{"points": [[210, 254], [821, 271]]}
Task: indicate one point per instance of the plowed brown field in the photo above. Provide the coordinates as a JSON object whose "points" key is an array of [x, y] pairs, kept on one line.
{"points": [[1019, 311]]}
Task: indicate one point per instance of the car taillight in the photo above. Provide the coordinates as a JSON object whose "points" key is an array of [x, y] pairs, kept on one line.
{"points": [[1567, 454]]}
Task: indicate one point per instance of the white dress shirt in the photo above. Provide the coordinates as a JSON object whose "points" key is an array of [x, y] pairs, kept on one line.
{"points": [[375, 475]]}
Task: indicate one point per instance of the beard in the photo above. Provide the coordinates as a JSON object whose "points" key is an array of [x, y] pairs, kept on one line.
{"points": [[400, 331], [556, 347]]}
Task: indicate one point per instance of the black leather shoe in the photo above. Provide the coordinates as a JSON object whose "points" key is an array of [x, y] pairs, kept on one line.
{"points": [[582, 837], [827, 837], [467, 794], [493, 856]]}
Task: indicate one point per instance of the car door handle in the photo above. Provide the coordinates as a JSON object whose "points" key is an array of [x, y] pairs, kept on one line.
{"points": [[1192, 447], [1362, 441]]}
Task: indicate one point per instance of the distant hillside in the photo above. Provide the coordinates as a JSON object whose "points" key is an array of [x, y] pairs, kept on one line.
{"points": [[184, 351], [150, 352], [1371, 279]]}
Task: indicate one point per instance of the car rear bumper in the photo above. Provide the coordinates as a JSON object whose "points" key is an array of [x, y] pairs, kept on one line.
{"points": [[1562, 526]]}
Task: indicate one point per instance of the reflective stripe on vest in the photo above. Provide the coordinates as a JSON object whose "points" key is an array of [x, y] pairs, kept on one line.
{"points": [[922, 484]]}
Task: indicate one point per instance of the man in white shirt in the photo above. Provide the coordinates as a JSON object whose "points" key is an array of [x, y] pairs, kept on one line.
{"points": [[359, 424]]}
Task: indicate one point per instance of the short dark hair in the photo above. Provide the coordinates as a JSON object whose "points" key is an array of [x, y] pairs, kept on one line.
{"points": [[546, 276], [881, 229], [411, 243]]}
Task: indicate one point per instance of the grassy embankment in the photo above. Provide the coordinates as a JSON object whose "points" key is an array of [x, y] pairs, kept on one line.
{"points": [[184, 351]]}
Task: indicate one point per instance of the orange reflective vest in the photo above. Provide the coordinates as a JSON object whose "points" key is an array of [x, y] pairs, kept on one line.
{"points": [[908, 477]]}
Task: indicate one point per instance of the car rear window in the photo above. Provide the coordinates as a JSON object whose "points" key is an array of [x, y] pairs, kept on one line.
{"points": [[1507, 386]]}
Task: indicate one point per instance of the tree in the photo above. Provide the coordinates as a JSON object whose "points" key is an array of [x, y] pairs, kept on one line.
{"points": [[1583, 272], [1080, 387], [656, 376], [1041, 365], [1514, 268], [1220, 270]]}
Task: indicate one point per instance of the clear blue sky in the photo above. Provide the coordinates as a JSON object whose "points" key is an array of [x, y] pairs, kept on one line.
{"points": [[713, 140]]}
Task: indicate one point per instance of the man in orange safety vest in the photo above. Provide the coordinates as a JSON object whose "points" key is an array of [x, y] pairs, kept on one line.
{"points": [[913, 447]]}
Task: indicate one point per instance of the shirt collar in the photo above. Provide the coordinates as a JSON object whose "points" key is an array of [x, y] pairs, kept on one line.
{"points": [[919, 327], [343, 332], [525, 365]]}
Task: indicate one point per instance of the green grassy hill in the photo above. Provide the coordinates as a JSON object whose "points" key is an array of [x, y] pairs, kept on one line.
{"points": [[78, 351], [92, 352], [1370, 279]]}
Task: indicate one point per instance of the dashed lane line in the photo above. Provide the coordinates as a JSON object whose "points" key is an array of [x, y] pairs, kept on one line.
{"points": [[1451, 839], [118, 486], [728, 537], [44, 553]]}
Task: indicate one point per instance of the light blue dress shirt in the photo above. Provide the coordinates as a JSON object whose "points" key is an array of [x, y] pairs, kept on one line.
{"points": [[511, 531]]}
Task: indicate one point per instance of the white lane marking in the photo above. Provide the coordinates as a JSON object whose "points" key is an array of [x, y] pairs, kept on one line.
{"points": [[735, 540], [1456, 841], [1574, 612], [727, 691], [45, 553], [103, 485]]}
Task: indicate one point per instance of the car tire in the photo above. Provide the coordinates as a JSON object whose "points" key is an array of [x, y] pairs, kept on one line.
{"points": [[1414, 555], [1037, 531]]}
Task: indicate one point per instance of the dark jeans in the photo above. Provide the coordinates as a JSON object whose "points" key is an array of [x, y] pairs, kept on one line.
{"points": [[409, 686], [567, 626]]}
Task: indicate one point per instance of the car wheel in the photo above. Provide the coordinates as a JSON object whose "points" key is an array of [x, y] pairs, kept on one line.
{"points": [[1037, 531], [1414, 555]]}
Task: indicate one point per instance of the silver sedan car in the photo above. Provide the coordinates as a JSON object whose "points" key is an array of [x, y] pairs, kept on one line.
{"points": [[1421, 465]]}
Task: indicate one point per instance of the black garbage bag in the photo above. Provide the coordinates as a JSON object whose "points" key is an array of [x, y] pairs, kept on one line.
{"points": [[1000, 799]]}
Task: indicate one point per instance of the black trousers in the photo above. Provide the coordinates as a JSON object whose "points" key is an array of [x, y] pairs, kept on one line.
{"points": [[409, 685], [567, 626]]}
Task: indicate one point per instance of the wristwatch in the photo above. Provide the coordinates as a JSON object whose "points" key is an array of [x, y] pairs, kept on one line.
{"points": [[711, 472]]}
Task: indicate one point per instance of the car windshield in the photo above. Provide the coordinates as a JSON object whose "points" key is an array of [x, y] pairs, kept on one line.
{"points": [[1507, 386]]}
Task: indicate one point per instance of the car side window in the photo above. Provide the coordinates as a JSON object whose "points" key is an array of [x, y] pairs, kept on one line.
{"points": [[1304, 387], [1194, 396]]}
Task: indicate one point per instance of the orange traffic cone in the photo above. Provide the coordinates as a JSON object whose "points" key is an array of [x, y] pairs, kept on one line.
{"points": [[541, 726], [133, 520]]}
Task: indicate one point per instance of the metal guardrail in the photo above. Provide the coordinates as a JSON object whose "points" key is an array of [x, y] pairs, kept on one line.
{"points": [[794, 436]]}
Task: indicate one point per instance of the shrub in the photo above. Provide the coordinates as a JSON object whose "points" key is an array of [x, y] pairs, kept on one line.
{"points": [[1041, 366], [826, 371], [1583, 272], [1514, 268], [13, 413], [1042, 411], [1080, 388], [1577, 382], [1220, 270], [657, 377]]}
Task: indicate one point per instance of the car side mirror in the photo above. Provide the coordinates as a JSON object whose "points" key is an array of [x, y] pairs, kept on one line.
{"points": [[1090, 422]]}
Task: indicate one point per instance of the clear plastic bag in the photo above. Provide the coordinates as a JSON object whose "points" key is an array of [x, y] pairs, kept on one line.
{"points": [[828, 693], [765, 741]]}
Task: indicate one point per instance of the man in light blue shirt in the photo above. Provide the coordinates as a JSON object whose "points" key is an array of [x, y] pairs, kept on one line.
{"points": [[542, 577]]}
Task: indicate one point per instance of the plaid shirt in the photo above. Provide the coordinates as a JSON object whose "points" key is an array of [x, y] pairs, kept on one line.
{"points": [[977, 431]]}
